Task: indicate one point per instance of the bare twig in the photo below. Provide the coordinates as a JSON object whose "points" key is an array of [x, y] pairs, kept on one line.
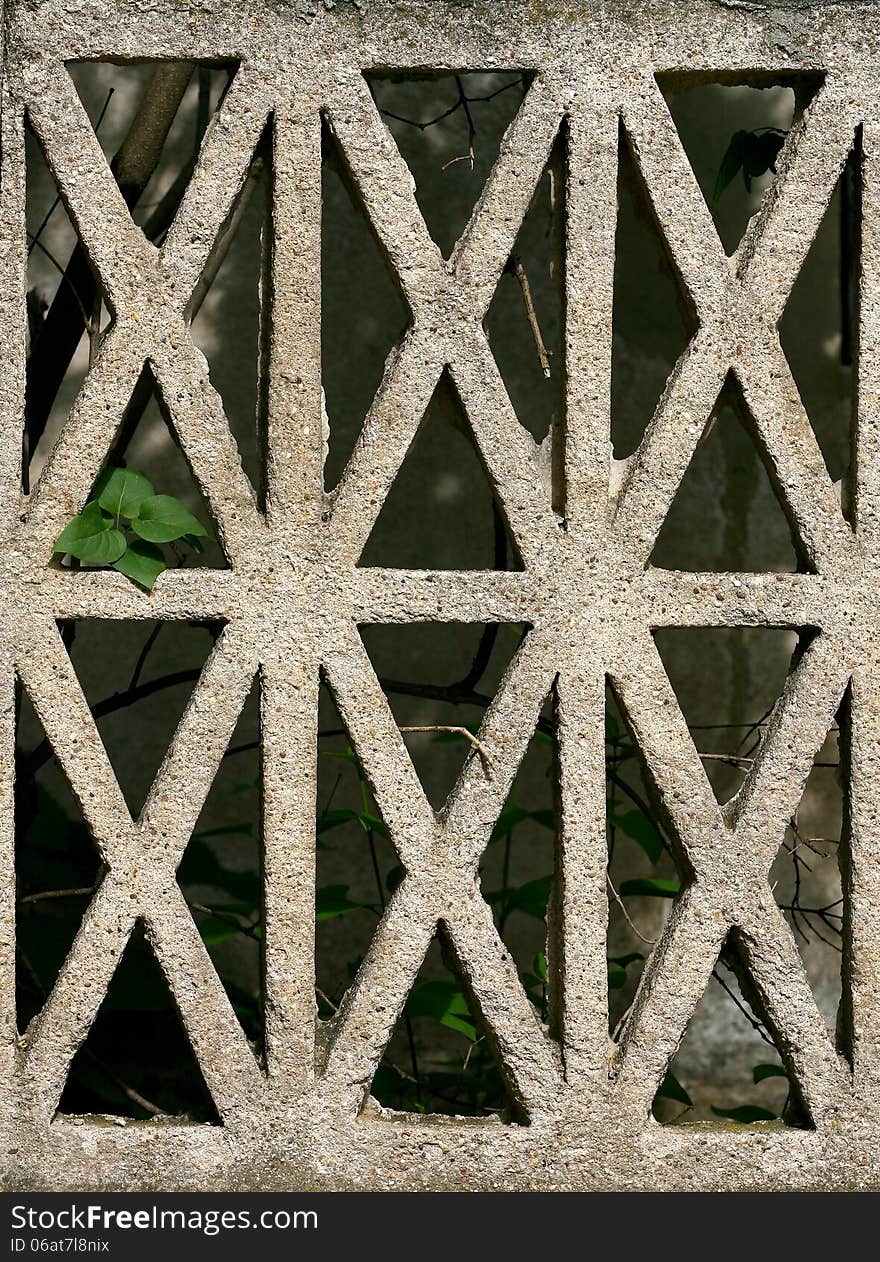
{"points": [[519, 272], [455, 730]]}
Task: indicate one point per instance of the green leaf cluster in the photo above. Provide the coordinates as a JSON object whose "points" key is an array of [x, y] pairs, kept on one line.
{"points": [[126, 505]]}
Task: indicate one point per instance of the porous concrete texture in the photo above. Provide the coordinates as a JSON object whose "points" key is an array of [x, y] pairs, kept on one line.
{"points": [[294, 594]]}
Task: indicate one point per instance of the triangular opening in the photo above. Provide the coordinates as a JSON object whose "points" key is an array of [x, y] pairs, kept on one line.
{"points": [[806, 877], [67, 311], [653, 317], [819, 328], [727, 514], [439, 677], [357, 867], [439, 1059], [728, 1068], [221, 873], [137, 678], [517, 869], [137, 1061], [727, 681], [154, 115], [525, 320], [441, 512], [57, 864], [645, 871], [229, 314], [449, 129], [147, 444], [366, 320], [733, 130]]}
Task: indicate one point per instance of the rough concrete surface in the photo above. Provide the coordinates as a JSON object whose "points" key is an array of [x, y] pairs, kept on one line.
{"points": [[294, 594]]}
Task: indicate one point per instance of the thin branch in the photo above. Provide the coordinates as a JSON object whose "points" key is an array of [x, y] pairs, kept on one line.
{"points": [[519, 272], [456, 731]]}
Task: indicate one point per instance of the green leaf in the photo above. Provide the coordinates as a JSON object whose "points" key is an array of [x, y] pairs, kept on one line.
{"points": [[671, 1089], [731, 163], [612, 728], [142, 563], [760, 1072], [213, 929], [650, 887], [531, 898], [746, 1113], [192, 542], [444, 1002], [539, 964], [333, 819], [162, 519], [91, 537], [637, 826], [122, 491], [616, 976], [332, 901]]}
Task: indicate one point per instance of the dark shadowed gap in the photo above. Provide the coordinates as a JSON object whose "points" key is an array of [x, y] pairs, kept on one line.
{"points": [[363, 311], [357, 867], [806, 878], [727, 514], [440, 1057], [403, 655], [137, 1060], [525, 320], [518, 867], [449, 129], [727, 681], [137, 678], [747, 1086], [67, 312], [441, 512], [733, 133], [819, 329], [221, 873], [57, 864], [653, 317], [646, 869], [199, 92], [230, 312]]}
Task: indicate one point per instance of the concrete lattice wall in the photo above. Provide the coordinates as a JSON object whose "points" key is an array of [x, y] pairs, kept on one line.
{"points": [[294, 594]]}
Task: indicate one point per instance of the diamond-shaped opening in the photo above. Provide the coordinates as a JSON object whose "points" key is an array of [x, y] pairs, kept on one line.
{"points": [[441, 512], [806, 877], [221, 872], [733, 129], [646, 869], [151, 117], [728, 514], [146, 443], [365, 320], [449, 130], [440, 1059], [653, 318], [818, 329], [357, 867], [137, 678], [728, 1067], [727, 680], [137, 1061], [57, 864], [525, 320], [518, 866], [441, 676], [67, 312], [229, 314]]}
